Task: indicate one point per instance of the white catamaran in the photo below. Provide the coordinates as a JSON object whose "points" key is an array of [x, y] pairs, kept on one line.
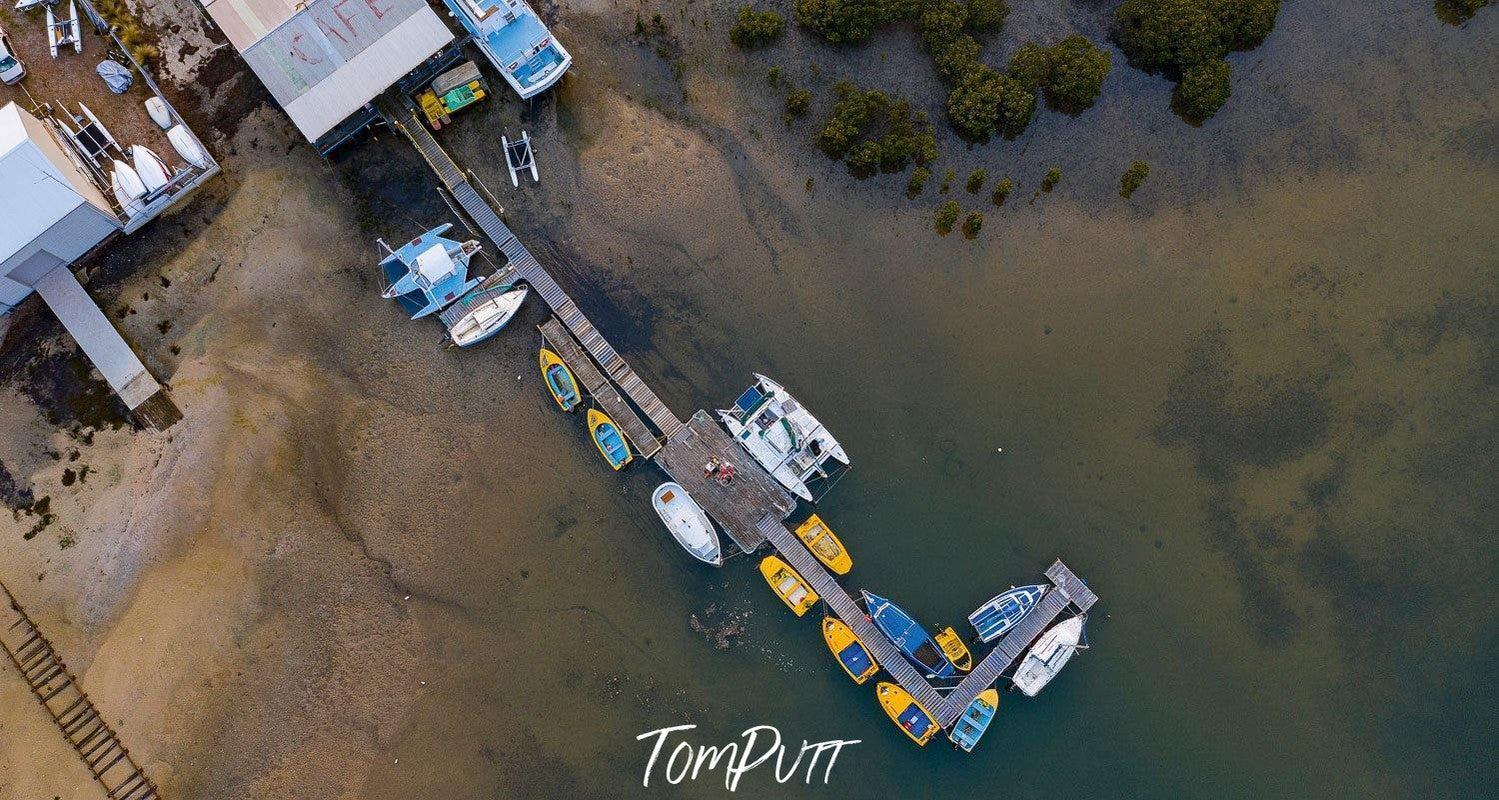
{"points": [[782, 435]]}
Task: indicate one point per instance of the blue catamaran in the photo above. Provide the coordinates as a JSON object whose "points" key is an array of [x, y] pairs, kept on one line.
{"points": [[429, 272], [516, 41], [909, 637]]}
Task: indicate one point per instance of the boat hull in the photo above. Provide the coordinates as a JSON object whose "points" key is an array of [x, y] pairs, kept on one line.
{"points": [[488, 316], [153, 171], [782, 436], [974, 721], [687, 523], [908, 636], [1004, 611], [559, 381], [793, 590], [852, 655], [824, 545], [608, 439], [953, 647], [1047, 656], [911, 717]]}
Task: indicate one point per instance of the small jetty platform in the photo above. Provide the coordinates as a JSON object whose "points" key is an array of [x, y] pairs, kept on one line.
{"points": [[77, 718], [752, 507], [738, 505]]}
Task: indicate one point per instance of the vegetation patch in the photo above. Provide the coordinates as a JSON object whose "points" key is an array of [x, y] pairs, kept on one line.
{"points": [[947, 217], [1070, 72], [755, 29], [917, 183], [1002, 191], [1456, 12], [134, 33], [798, 102], [1053, 177], [972, 224], [976, 180], [1186, 40], [1133, 177], [872, 133]]}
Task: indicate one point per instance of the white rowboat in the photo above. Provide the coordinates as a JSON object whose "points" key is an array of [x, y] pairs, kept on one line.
{"points": [[687, 523]]}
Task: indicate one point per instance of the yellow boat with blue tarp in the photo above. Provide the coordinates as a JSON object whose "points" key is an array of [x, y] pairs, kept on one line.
{"points": [[851, 653]]}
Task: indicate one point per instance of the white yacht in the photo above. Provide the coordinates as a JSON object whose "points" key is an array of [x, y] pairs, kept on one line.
{"points": [[782, 435], [1048, 655]]}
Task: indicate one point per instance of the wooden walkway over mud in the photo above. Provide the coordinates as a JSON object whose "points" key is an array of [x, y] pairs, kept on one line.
{"points": [[752, 507]]}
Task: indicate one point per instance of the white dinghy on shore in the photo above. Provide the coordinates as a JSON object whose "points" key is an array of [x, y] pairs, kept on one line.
{"points": [[154, 172], [127, 186], [687, 523]]}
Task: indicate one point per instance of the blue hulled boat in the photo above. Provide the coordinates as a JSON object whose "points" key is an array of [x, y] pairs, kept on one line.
{"points": [[516, 41], [909, 637], [992, 619], [429, 272], [975, 720]]}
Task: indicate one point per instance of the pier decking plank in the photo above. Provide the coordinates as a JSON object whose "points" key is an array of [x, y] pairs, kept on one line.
{"points": [[641, 438], [737, 507]]}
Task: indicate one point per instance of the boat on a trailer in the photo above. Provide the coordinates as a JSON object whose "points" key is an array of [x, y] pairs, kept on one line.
{"points": [[782, 435], [515, 40], [429, 272], [1048, 655], [992, 619], [975, 720], [908, 636]]}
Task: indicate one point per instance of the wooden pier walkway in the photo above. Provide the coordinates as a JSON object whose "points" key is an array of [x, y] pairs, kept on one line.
{"points": [[64, 700], [641, 438], [736, 506]]}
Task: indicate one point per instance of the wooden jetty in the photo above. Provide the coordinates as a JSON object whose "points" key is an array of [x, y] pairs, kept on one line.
{"points": [[76, 716], [751, 508], [602, 391]]}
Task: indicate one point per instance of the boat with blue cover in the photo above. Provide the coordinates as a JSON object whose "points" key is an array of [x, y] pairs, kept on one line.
{"points": [[975, 720], [907, 713], [516, 41], [851, 653], [992, 619], [909, 637], [428, 273]]}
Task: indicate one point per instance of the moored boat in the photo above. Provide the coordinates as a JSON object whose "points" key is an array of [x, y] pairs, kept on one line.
{"points": [[607, 437], [795, 592], [482, 313], [1048, 655], [428, 273], [909, 637], [782, 435], [994, 618], [910, 716], [515, 41], [819, 539], [688, 524], [560, 381], [975, 720], [851, 653], [953, 647]]}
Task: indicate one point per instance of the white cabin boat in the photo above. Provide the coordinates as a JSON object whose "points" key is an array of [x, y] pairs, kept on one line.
{"points": [[782, 435], [687, 523], [1048, 655]]}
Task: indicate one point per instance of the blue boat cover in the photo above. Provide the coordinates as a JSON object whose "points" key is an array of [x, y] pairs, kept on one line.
{"points": [[914, 720], [856, 658], [751, 398]]}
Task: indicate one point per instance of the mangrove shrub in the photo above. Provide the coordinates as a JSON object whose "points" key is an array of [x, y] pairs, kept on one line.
{"points": [[756, 28], [871, 133], [1133, 177], [947, 216], [985, 103], [1071, 72], [1202, 91]]}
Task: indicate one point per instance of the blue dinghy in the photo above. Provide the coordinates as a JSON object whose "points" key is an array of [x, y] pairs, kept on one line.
{"points": [[975, 720], [909, 637], [992, 619]]}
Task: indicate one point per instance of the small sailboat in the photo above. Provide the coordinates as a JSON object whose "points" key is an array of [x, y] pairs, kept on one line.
{"points": [[188, 147], [687, 523], [910, 716], [789, 586], [482, 313], [851, 653], [909, 637], [160, 113], [782, 435], [560, 381], [1048, 655], [975, 720], [953, 647], [992, 619], [610, 441], [154, 172], [127, 186], [819, 539], [429, 272]]}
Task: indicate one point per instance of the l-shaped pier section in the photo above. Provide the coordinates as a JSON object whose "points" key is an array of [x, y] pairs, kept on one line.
{"points": [[752, 507]]}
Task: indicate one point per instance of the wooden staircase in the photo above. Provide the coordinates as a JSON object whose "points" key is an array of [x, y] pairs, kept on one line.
{"points": [[69, 706]]}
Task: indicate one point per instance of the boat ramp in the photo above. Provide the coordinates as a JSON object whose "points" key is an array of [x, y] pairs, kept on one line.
{"points": [[752, 507]]}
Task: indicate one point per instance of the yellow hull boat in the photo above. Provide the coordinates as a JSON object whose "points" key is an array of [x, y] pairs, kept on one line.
{"points": [[789, 586], [608, 439], [910, 716], [559, 380], [953, 647], [819, 538], [851, 653]]}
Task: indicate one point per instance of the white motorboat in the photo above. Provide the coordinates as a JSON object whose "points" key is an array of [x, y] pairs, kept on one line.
{"points": [[1048, 655], [482, 313], [687, 522], [154, 172], [782, 435], [127, 186]]}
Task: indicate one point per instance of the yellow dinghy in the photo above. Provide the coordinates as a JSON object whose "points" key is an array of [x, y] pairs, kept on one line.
{"points": [[560, 381], [953, 647], [609, 440], [910, 716], [851, 653], [819, 538], [789, 586]]}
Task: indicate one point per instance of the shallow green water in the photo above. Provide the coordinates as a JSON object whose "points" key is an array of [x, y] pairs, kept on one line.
{"points": [[1254, 408]]}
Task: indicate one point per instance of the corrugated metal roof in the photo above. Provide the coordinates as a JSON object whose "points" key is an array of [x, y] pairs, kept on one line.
{"points": [[322, 62], [38, 184]]}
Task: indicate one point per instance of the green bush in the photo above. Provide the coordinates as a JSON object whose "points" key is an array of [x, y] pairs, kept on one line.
{"points": [[1002, 191], [798, 101], [1031, 65], [756, 28], [976, 180], [863, 159], [972, 224], [947, 216], [1132, 178], [1456, 12], [941, 22], [870, 132], [986, 16], [956, 57], [1168, 35], [1053, 177], [985, 102], [773, 76], [1077, 72], [1202, 91], [918, 180], [839, 21], [1243, 24]]}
